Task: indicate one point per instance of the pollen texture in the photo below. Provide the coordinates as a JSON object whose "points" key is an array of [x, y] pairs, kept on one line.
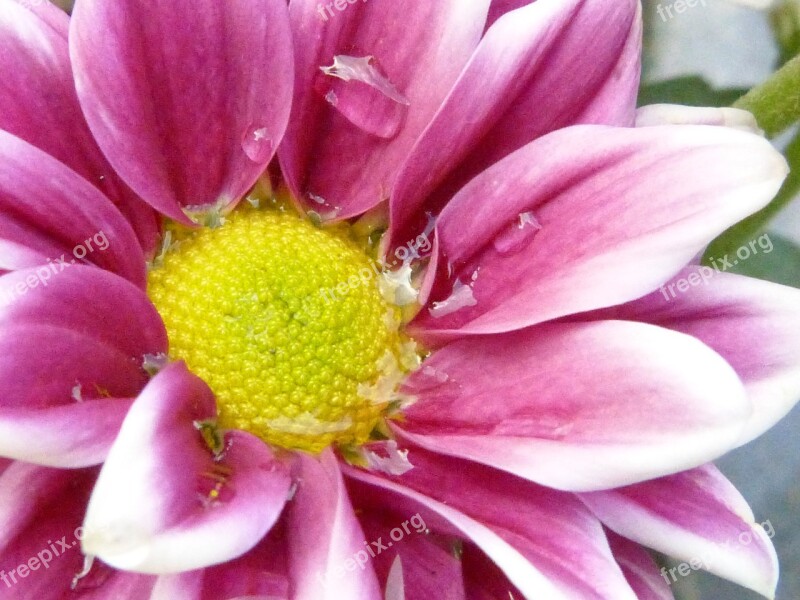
{"points": [[286, 324]]}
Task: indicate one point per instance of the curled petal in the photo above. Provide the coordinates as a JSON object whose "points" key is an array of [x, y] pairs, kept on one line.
{"points": [[164, 503]]}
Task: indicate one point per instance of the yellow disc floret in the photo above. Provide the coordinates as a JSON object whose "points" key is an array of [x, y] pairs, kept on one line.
{"points": [[286, 324]]}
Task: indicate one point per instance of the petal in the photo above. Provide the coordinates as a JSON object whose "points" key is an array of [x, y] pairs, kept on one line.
{"points": [[553, 530], [40, 516], [429, 567], [71, 352], [380, 493], [41, 107], [49, 214], [164, 502], [324, 534], [673, 114], [187, 99], [83, 328], [649, 200], [728, 312], [697, 517], [640, 569], [532, 74], [418, 49], [618, 402], [261, 574]]}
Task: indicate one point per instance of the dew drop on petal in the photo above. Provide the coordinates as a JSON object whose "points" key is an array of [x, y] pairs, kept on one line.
{"points": [[257, 143], [365, 70], [518, 234], [462, 297]]}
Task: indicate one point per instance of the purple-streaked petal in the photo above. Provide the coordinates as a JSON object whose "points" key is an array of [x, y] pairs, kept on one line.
{"points": [[164, 503], [552, 529], [675, 114], [589, 217], [698, 517], [532, 74], [483, 580], [323, 534], [261, 574], [51, 215], [187, 99], [419, 50], [376, 492], [40, 518], [73, 435], [71, 353], [618, 402], [429, 567], [639, 568], [728, 312], [40, 104], [81, 334]]}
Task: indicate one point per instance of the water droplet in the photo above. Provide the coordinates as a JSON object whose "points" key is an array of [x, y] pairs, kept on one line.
{"points": [[364, 69], [331, 98], [518, 235], [324, 211], [257, 143], [462, 297]]}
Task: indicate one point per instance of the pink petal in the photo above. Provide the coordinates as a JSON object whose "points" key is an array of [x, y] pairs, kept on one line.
{"points": [[379, 493], [84, 328], [40, 533], [40, 104], [164, 503], [49, 214], [187, 99], [640, 569], [531, 74], [261, 574], [553, 530], [419, 49], [323, 534], [71, 351], [697, 517], [649, 200], [728, 312], [430, 568], [618, 402]]}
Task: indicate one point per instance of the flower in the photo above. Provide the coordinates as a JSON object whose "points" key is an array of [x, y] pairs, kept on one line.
{"points": [[511, 412]]}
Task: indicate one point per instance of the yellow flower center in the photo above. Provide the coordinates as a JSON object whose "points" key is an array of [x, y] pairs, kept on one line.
{"points": [[286, 324]]}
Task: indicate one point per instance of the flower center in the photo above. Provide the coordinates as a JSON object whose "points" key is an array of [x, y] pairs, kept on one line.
{"points": [[286, 324]]}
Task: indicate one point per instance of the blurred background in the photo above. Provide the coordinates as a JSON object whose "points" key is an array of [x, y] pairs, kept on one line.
{"points": [[708, 55]]}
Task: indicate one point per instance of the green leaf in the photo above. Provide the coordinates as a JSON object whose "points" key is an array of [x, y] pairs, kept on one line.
{"points": [[780, 265], [748, 230], [691, 90]]}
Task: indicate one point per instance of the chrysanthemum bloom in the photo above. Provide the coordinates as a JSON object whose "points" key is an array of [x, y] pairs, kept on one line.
{"points": [[436, 361]]}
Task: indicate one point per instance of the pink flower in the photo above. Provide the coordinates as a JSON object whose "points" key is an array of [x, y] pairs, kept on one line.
{"points": [[517, 414]]}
